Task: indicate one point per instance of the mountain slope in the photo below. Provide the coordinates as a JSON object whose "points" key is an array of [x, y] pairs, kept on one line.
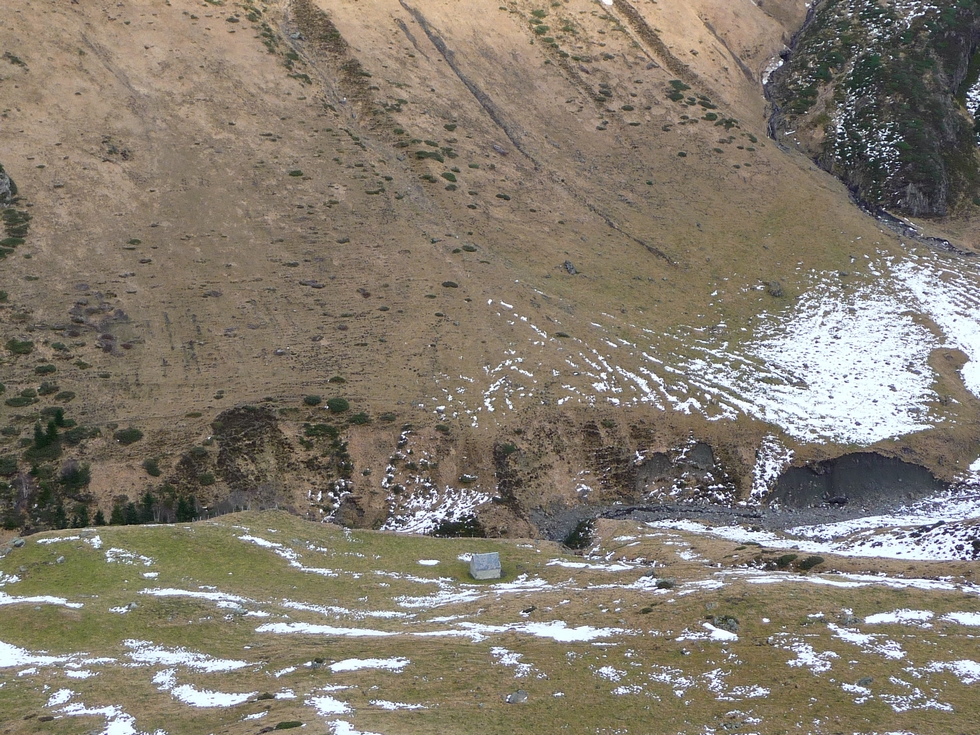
{"points": [[565, 219]]}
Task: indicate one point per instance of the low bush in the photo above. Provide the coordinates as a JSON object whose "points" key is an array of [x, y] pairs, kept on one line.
{"points": [[338, 405], [809, 563], [580, 537], [127, 436], [152, 467], [467, 527], [20, 347], [312, 400], [785, 560]]}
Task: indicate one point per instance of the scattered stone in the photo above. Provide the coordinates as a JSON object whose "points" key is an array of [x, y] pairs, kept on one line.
{"points": [[775, 289], [567, 265], [518, 697], [18, 542], [60, 560]]}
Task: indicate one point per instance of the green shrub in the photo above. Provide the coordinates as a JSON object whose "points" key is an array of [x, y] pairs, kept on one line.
{"points": [[338, 405], [77, 435], [450, 284], [8, 465], [288, 725], [47, 389], [20, 401], [442, 428], [312, 400], [810, 562], [19, 347], [127, 436], [65, 396], [469, 248], [387, 417], [580, 537], [448, 176], [59, 346], [666, 584], [785, 560], [206, 478], [152, 467], [359, 419], [467, 527], [296, 172], [75, 476]]}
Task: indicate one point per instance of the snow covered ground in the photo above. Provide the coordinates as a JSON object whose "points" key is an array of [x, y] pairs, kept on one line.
{"points": [[846, 361]]}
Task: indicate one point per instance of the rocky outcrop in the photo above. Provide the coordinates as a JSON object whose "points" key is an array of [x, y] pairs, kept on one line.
{"points": [[861, 478], [873, 92], [8, 189]]}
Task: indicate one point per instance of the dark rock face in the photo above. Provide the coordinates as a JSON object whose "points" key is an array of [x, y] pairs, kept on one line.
{"points": [[873, 94], [860, 478], [8, 189]]}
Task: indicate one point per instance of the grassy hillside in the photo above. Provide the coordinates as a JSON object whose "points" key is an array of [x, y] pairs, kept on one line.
{"points": [[262, 619]]}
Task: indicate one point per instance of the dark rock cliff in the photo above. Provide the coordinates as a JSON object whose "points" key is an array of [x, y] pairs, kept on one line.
{"points": [[875, 93]]}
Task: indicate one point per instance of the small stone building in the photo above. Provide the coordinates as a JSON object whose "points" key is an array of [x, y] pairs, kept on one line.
{"points": [[485, 566]]}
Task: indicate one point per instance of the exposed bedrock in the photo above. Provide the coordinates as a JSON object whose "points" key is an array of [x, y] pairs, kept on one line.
{"points": [[862, 478]]}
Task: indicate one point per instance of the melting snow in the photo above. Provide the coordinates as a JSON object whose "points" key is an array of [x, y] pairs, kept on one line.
{"points": [[356, 664], [903, 616], [144, 652], [6, 599]]}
